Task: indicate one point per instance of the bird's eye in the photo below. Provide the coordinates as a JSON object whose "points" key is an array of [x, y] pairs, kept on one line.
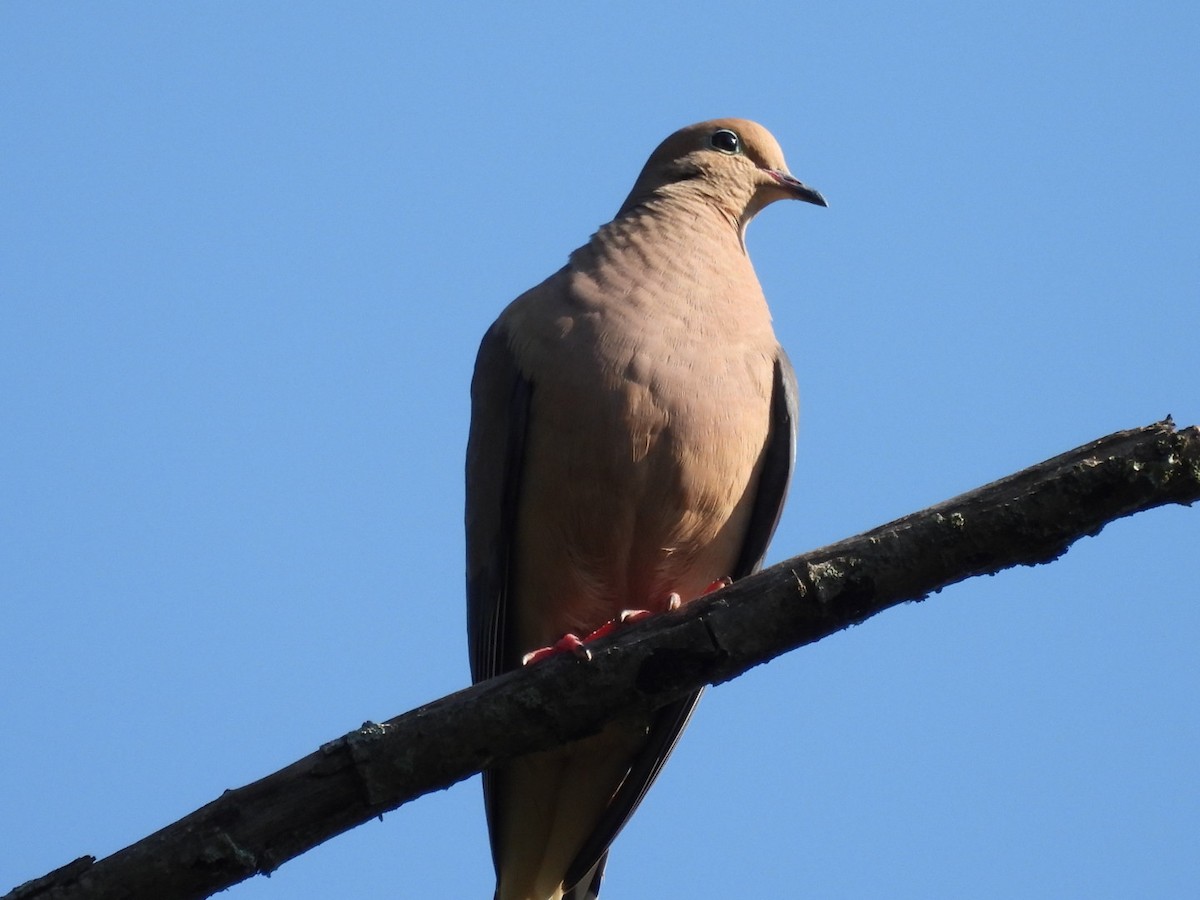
{"points": [[726, 141]]}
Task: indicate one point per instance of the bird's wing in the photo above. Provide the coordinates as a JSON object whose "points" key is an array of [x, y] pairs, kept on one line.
{"points": [[500, 397]]}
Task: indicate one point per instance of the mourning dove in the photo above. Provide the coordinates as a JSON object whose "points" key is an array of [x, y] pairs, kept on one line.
{"points": [[632, 438]]}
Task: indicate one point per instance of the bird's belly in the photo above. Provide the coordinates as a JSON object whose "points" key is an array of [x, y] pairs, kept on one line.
{"points": [[623, 523]]}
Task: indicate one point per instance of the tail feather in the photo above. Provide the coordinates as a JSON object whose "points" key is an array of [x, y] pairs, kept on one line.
{"points": [[588, 887]]}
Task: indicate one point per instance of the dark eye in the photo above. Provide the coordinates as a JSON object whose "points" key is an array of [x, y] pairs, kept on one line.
{"points": [[726, 141]]}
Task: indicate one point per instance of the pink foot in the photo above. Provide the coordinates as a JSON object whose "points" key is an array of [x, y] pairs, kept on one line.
{"points": [[572, 643], [568, 643]]}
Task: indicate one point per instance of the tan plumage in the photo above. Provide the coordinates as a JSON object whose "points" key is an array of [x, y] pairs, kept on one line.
{"points": [[632, 433]]}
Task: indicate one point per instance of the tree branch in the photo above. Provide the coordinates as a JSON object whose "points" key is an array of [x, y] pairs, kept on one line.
{"points": [[1028, 518]]}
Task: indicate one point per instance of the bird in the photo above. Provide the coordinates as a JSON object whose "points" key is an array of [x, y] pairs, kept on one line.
{"points": [[632, 439]]}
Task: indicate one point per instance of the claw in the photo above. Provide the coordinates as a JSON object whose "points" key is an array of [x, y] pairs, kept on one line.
{"points": [[568, 643], [575, 645]]}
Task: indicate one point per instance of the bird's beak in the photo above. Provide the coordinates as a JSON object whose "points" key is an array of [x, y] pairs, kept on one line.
{"points": [[798, 189]]}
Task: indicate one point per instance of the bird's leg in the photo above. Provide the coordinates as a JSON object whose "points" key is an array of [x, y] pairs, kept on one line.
{"points": [[573, 643]]}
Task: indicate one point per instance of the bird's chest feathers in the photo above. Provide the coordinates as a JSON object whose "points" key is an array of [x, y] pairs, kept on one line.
{"points": [[675, 348], [655, 410], [666, 379]]}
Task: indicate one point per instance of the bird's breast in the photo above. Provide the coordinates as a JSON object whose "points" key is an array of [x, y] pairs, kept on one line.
{"points": [[640, 474]]}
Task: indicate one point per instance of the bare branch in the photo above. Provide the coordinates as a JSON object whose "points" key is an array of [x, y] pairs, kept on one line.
{"points": [[1028, 518]]}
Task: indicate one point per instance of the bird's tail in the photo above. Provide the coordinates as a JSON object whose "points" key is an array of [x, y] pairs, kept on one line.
{"points": [[588, 887]]}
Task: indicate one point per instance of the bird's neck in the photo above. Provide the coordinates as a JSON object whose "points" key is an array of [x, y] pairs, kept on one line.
{"points": [[679, 221], [675, 261]]}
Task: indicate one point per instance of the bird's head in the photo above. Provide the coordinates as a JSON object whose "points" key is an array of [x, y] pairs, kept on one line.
{"points": [[733, 164]]}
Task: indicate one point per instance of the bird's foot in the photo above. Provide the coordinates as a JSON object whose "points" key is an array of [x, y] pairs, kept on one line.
{"points": [[717, 585], [568, 643], [572, 643], [672, 601]]}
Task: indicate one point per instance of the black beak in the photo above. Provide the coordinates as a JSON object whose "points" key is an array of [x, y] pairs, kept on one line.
{"points": [[798, 189]]}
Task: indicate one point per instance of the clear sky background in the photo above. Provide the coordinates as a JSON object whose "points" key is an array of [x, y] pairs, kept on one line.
{"points": [[247, 251]]}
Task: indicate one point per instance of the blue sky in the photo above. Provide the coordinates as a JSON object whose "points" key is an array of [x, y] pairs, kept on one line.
{"points": [[247, 251]]}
